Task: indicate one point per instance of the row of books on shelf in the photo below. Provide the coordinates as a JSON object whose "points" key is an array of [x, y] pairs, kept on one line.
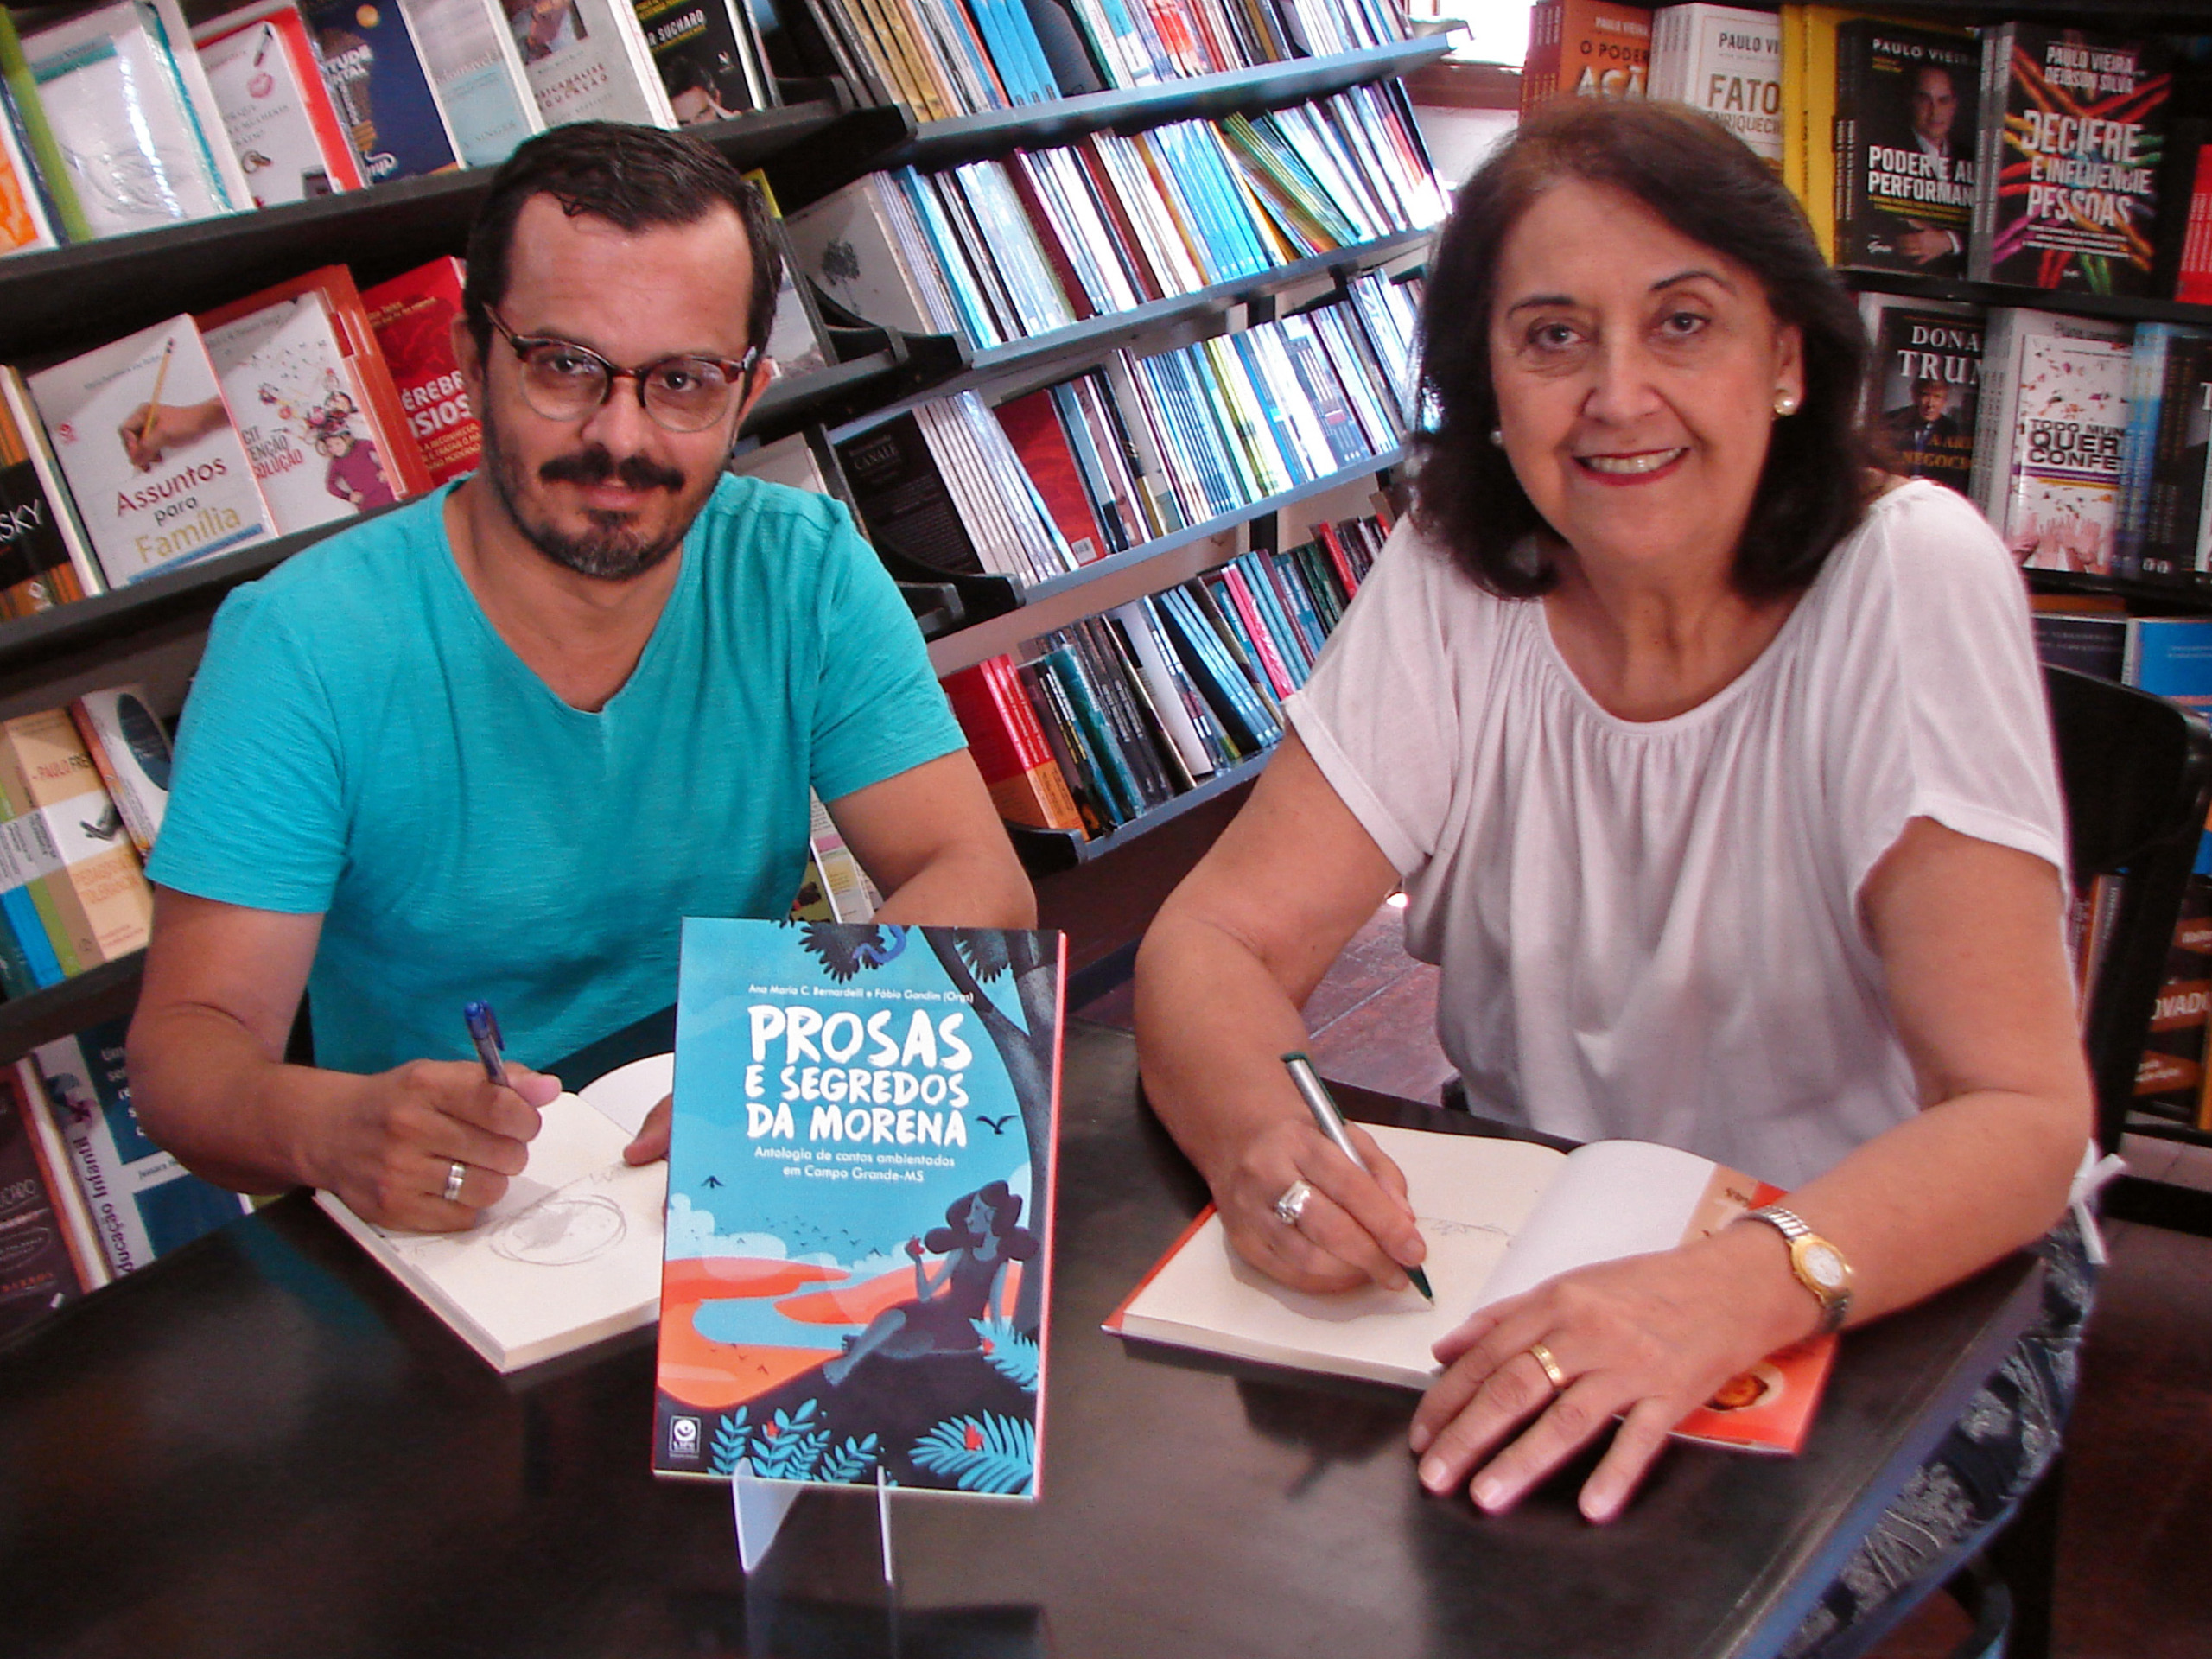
{"points": [[946, 58], [2083, 440], [2019, 153], [122, 119], [1136, 448], [996, 250], [2171, 657], [1105, 721], [289, 409], [82, 791], [84, 1196]]}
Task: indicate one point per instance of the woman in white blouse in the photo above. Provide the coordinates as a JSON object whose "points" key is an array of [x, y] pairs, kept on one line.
{"points": [[1714, 764]]}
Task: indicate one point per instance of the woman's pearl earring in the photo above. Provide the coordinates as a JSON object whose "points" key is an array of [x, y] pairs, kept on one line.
{"points": [[1498, 436], [1785, 404]]}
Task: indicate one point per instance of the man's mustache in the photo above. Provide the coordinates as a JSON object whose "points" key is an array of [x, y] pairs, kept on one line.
{"points": [[596, 466]]}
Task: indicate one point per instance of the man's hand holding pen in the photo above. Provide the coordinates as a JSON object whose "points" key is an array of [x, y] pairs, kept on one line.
{"points": [[391, 1151]]}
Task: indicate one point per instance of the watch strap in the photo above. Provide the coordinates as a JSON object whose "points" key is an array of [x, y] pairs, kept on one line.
{"points": [[1832, 1288]]}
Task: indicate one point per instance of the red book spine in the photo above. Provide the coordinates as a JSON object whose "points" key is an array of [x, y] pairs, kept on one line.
{"points": [[1333, 546], [2195, 284], [1248, 610]]}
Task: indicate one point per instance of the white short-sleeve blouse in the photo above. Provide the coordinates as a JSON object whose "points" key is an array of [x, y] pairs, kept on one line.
{"points": [[1652, 930]]}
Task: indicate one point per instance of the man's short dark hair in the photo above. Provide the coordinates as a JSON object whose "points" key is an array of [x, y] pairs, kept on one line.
{"points": [[632, 177], [1700, 179]]}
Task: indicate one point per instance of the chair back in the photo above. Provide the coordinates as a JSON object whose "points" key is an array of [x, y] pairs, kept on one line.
{"points": [[2136, 772]]}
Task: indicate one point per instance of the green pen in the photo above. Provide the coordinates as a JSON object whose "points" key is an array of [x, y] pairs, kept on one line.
{"points": [[1330, 1122]]}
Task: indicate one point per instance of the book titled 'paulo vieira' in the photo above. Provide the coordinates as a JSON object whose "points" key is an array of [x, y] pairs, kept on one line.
{"points": [[1500, 1217], [860, 1205]]}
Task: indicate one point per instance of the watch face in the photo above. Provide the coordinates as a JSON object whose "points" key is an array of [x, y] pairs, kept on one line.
{"points": [[1825, 1266]]}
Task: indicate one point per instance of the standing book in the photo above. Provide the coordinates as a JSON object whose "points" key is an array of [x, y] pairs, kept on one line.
{"points": [[143, 1203], [44, 559], [1925, 390], [373, 67], [860, 1205], [25, 225], [1727, 62], [2052, 424], [587, 60], [159, 474], [1500, 1217], [470, 54], [2072, 131], [276, 112], [569, 1256], [129, 748], [1905, 129], [39, 1273], [86, 881], [138, 127], [413, 316]]}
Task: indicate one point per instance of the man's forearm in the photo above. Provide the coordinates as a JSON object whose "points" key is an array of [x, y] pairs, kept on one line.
{"points": [[964, 887], [204, 1089]]}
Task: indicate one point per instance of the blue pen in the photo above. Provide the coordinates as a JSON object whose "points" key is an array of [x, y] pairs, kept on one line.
{"points": [[484, 1032]]}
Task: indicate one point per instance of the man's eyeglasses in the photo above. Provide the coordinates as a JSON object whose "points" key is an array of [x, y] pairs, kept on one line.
{"points": [[564, 381]]}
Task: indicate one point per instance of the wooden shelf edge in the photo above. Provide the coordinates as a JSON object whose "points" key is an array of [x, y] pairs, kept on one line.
{"points": [[2189, 593], [1047, 852], [106, 992]]}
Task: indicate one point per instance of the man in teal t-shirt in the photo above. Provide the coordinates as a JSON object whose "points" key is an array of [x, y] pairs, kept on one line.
{"points": [[496, 744]]}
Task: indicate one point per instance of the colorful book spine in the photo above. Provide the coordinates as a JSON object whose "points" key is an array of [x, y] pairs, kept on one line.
{"points": [[143, 1203], [97, 905]]}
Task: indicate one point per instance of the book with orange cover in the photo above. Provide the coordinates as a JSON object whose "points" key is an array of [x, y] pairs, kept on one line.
{"points": [[413, 316], [1499, 1217], [1604, 50]]}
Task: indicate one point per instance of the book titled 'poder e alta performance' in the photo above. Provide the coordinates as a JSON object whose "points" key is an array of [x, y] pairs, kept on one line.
{"points": [[860, 1205]]}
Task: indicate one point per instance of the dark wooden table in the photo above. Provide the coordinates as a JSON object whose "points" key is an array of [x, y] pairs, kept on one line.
{"points": [[262, 1446]]}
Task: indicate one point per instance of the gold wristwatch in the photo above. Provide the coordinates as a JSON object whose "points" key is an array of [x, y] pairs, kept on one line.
{"points": [[1819, 1266]]}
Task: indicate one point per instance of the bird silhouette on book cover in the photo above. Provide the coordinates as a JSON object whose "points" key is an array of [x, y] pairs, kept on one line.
{"points": [[859, 1193]]}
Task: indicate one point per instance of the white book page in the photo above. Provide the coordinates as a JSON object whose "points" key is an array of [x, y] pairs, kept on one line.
{"points": [[1470, 1195], [1613, 1198], [571, 1253]]}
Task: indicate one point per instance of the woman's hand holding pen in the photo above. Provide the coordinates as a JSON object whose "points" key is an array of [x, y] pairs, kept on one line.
{"points": [[1354, 1228], [390, 1156]]}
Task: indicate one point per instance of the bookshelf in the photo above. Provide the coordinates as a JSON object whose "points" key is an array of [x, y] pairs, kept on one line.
{"points": [[56, 303]]}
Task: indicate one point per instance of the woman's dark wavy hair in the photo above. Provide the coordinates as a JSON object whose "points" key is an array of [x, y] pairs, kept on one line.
{"points": [[1700, 179]]}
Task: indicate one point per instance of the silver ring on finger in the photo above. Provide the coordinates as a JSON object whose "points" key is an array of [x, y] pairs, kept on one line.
{"points": [[454, 1177], [1292, 1204]]}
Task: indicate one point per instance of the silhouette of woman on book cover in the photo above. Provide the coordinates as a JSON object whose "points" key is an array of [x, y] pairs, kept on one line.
{"points": [[980, 1237]]}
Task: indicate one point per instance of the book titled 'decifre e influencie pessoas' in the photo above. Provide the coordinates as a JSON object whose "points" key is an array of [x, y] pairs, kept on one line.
{"points": [[860, 1205], [1500, 1217]]}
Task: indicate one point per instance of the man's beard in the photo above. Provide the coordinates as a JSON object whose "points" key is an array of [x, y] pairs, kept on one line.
{"points": [[611, 551]]}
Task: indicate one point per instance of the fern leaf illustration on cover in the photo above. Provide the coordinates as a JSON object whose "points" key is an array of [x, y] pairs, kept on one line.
{"points": [[860, 1205]]}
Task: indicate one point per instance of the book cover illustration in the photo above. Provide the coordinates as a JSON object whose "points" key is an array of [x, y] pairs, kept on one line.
{"points": [[702, 60], [158, 473], [2076, 193], [286, 380], [130, 749], [2061, 510], [1927, 384], [276, 112], [583, 66], [860, 1205], [473, 61], [413, 316], [113, 89], [1906, 114], [374, 69], [144, 1203]]}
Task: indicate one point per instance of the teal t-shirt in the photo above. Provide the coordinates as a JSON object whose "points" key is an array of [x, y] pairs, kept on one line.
{"points": [[361, 744]]}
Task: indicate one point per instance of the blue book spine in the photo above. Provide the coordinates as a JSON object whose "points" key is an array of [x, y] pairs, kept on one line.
{"points": [[2146, 378]]}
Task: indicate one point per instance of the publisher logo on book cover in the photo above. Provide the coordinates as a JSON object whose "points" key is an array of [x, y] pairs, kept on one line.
{"points": [[683, 1439]]}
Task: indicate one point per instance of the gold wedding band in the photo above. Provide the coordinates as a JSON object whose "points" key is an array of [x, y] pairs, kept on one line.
{"points": [[454, 1177], [1543, 1356]]}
